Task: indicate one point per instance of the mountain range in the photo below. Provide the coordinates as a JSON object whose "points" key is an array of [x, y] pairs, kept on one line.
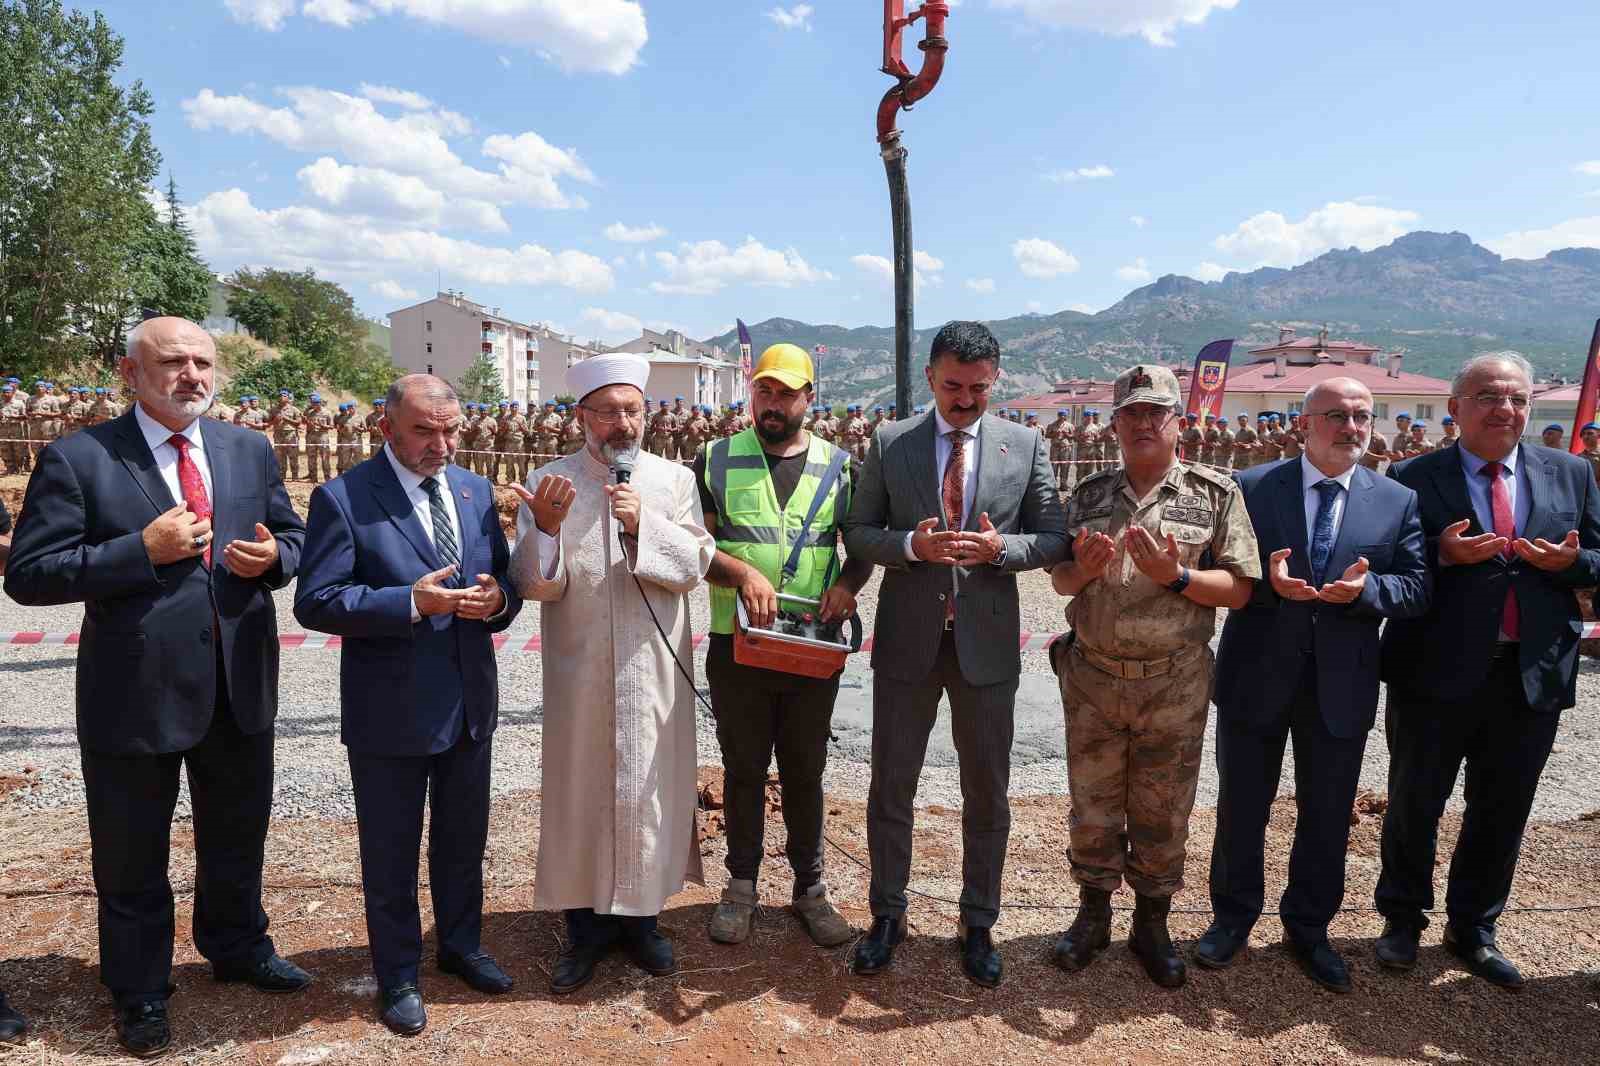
{"points": [[1435, 298]]}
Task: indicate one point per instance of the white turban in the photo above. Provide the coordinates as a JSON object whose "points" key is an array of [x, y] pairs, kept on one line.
{"points": [[598, 371]]}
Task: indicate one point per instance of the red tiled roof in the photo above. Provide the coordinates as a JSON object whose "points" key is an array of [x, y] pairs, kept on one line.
{"points": [[1304, 343]]}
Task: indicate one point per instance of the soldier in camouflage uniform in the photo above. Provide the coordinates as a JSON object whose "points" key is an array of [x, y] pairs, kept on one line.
{"points": [[1192, 439], [1088, 463], [547, 435], [696, 431], [374, 430], [346, 431], [483, 438], [1245, 444], [14, 430], [1376, 452], [44, 412], [680, 418], [514, 430], [1402, 425], [658, 430], [1059, 434], [1448, 437], [872, 426], [1419, 443], [100, 409], [1294, 439], [77, 412], [286, 421], [1224, 444], [571, 442], [1550, 436], [1158, 547], [1590, 435], [319, 441], [1210, 442], [1269, 440]]}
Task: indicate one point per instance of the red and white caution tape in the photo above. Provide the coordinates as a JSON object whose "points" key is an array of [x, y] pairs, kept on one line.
{"points": [[502, 641]]}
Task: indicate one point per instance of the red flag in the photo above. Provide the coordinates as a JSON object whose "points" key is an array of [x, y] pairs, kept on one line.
{"points": [[1589, 394], [1210, 379]]}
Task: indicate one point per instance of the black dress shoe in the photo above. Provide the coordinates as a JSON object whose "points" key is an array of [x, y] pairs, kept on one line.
{"points": [[402, 1010], [271, 974], [1322, 964], [12, 1024], [575, 968], [875, 951], [479, 971], [652, 953], [1484, 960], [1397, 947], [1149, 940], [980, 958], [1218, 948], [142, 1028], [1090, 932]]}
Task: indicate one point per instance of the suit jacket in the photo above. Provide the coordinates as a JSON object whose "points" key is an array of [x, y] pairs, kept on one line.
{"points": [[147, 667], [1445, 654], [897, 488], [405, 689], [1262, 643]]}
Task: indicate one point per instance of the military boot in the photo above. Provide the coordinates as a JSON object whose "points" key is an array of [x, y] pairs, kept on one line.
{"points": [[731, 921], [825, 925], [1090, 932], [1149, 940]]}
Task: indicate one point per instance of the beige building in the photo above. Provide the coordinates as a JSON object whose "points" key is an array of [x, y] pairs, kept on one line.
{"points": [[679, 366]]}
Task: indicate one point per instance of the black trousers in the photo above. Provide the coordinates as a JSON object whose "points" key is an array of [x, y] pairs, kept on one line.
{"points": [[759, 713], [1504, 744], [390, 794], [587, 929], [1327, 770], [131, 800], [982, 724]]}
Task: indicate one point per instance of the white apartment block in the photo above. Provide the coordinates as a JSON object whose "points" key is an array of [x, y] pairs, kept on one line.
{"points": [[700, 373]]}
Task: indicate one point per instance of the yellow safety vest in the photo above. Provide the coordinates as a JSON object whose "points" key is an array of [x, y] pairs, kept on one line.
{"points": [[753, 529]]}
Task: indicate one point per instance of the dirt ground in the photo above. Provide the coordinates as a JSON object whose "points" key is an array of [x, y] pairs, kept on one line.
{"points": [[779, 999]]}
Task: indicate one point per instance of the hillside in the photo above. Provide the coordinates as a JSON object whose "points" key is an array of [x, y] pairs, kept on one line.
{"points": [[1436, 298]]}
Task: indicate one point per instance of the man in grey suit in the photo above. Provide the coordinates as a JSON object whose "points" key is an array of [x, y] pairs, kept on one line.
{"points": [[953, 505]]}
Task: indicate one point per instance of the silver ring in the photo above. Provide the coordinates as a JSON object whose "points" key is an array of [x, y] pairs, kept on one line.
{"points": [[199, 542]]}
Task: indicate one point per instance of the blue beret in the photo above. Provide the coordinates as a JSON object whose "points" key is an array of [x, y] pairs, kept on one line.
{"points": [[286, 392], [1448, 420], [677, 397], [316, 397], [1403, 414], [379, 402], [1087, 411], [561, 407], [662, 403], [514, 403], [1587, 426], [1551, 426], [100, 391], [1419, 424], [877, 409], [8, 387]]}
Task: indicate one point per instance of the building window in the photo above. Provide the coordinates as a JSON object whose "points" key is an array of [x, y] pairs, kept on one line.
{"points": [[1424, 411], [428, 326], [1380, 410], [430, 368], [429, 346]]}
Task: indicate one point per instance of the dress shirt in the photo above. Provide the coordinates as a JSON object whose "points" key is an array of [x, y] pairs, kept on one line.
{"points": [[1512, 474], [159, 438], [411, 483], [941, 458], [1310, 478]]}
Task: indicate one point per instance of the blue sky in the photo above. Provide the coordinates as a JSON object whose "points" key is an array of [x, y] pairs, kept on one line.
{"points": [[599, 164]]}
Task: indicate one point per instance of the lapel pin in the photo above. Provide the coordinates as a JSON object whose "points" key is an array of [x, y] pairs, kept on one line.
{"points": [[466, 494]]}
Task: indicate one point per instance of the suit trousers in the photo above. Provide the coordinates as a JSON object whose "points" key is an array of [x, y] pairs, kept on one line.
{"points": [[390, 794], [1327, 770], [981, 723], [587, 929], [759, 713], [1504, 744], [131, 799]]}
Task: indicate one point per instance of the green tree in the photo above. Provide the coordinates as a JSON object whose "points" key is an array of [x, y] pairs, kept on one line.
{"points": [[76, 162], [259, 376], [257, 312], [314, 315], [167, 275], [481, 382]]}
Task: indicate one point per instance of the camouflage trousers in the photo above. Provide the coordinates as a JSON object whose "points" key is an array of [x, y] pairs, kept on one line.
{"points": [[349, 455], [1133, 763], [288, 460], [319, 460]]}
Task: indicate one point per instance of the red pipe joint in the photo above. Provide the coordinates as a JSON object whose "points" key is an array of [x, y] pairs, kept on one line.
{"points": [[911, 88]]}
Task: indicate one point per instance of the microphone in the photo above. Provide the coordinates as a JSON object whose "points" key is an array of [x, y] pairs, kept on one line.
{"points": [[622, 466]]}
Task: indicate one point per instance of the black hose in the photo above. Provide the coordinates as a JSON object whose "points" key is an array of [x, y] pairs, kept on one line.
{"points": [[894, 164]]}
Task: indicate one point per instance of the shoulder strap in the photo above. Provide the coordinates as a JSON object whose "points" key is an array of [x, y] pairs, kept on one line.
{"points": [[791, 565]]}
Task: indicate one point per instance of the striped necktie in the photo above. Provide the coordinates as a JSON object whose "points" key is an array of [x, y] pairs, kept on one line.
{"points": [[444, 538]]}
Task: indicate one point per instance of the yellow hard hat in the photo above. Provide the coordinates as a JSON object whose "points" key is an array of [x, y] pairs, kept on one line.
{"points": [[786, 363]]}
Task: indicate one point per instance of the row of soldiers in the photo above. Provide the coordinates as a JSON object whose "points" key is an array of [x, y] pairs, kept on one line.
{"points": [[28, 423]]}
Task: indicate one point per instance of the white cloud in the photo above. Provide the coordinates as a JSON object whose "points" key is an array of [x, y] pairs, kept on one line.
{"points": [[797, 17], [1136, 272], [1154, 20], [1591, 168], [405, 98], [264, 14], [926, 269], [981, 285], [1039, 258], [372, 191], [393, 290], [1209, 271], [1537, 243], [624, 234], [612, 326], [604, 36], [321, 120], [1138, 220], [704, 267], [1095, 173], [1272, 240], [231, 229]]}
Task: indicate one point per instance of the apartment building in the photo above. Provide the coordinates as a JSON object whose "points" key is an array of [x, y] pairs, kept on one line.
{"points": [[680, 366]]}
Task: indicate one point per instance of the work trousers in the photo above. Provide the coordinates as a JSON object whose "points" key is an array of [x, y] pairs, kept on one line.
{"points": [[761, 713]]}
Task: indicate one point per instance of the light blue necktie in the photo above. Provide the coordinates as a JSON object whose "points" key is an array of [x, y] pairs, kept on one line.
{"points": [[1322, 532]]}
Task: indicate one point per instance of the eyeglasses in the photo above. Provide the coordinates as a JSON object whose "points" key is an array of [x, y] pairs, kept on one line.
{"points": [[608, 415], [1495, 399], [1155, 417], [1343, 419]]}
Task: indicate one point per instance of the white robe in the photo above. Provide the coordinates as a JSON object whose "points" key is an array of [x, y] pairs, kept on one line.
{"points": [[618, 819]]}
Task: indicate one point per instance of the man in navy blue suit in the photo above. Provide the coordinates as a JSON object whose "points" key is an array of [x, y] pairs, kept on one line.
{"points": [[1512, 530], [172, 530], [1343, 550], [406, 561]]}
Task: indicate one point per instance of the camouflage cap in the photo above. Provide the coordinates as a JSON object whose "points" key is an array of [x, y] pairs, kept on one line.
{"points": [[1145, 384]]}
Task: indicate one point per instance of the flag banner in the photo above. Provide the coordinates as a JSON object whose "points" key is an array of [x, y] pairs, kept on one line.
{"points": [[745, 345], [1589, 394], [1210, 379]]}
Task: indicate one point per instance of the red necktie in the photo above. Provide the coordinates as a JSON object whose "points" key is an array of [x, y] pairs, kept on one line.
{"points": [[193, 485], [1504, 526], [955, 472]]}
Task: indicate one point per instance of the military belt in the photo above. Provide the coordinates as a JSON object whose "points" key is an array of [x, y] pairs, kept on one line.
{"points": [[1137, 669]]}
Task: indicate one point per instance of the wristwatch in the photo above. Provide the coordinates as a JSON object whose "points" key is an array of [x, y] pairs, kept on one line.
{"points": [[1183, 580]]}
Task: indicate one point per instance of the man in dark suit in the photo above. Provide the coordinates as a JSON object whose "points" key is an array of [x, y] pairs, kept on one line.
{"points": [[178, 665], [406, 561], [1343, 550], [953, 505], [1512, 530]]}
